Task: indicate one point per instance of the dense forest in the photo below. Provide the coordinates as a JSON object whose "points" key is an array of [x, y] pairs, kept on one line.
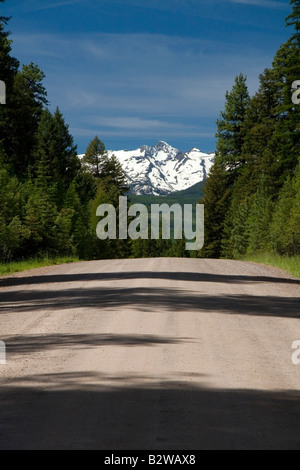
{"points": [[49, 197], [252, 197]]}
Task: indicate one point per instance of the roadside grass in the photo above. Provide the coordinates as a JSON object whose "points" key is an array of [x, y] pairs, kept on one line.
{"points": [[19, 266], [291, 264]]}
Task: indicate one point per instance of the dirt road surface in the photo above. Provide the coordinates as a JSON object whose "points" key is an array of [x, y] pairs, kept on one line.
{"points": [[150, 354]]}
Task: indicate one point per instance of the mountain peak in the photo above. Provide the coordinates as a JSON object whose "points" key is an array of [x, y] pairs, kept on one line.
{"points": [[162, 145], [163, 169]]}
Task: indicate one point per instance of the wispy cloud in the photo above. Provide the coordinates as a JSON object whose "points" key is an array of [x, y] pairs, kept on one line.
{"points": [[36, 6], [133, 123], [263, 4], [190, 132]]}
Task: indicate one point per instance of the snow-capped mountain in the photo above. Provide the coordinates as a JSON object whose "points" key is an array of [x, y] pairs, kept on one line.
{"points": [[162, 169]]}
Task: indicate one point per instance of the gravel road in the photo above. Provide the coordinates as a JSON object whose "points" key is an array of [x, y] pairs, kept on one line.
{"points": [[150, 354]]}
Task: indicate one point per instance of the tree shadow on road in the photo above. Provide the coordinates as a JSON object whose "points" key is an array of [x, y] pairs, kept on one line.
{"points": [[91, 411], [127, 276], [25, 344], [152, 300]]}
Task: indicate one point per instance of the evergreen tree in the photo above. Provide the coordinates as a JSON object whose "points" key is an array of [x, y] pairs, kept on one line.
{"points": [[294, 222], [260, 118], [114, 175], [236, 230], [285, 228], [229, 158], [100, 249], [177, 249], [12, 230], [217, 193], [56, 145], [294, 20], [285, 143], [260, 217], [41, 213], [95, 157], [280, 236], [8, 64], [86, 186], [8, 69], [231, 130], [23, 116]]}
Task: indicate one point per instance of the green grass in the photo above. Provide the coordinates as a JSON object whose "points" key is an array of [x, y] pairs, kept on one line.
{"points": [[291, 264], [19, 266]]}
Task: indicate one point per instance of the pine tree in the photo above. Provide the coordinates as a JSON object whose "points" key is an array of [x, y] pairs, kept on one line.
{"points": [[285, 231], [25, 98], [99, 249], [217, 193], [285, 143], [23, 116], [260, 217], [281, 238], [294, 20], [8, 64], [231, 131], [114, 175], [41, 212], [95, 157], [86, 186], [236, 228], [12, 230], [260, 118], [56, 145], [294, 222], [8, 69]]}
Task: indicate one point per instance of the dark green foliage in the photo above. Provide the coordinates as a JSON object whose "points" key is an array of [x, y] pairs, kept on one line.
{"points": [[228, 163], [178, 249], [23, 114], [294, 19], [12, 230], [262, 214], [95, 157], [216, 200], [56, 146], [260, 217], [114, 175], [231, 130], [285, 228], [285, 142], [25, 98], [8, 64]]}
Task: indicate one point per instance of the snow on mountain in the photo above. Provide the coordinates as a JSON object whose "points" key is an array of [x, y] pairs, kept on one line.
{"points": [[162, 169]]}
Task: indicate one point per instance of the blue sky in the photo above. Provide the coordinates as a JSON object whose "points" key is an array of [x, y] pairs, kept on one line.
{"points": [[137, 71]]}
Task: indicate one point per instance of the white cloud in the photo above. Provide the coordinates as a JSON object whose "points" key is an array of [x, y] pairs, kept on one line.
{"points": [[185, 131], [132, 123], [37, 6], [263, 3]]}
